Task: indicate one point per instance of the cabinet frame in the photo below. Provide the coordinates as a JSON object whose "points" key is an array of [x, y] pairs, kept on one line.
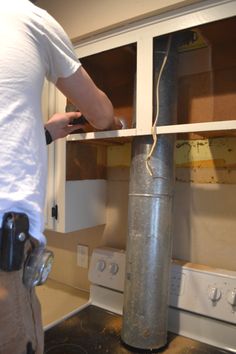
{"points": [[142, 33]]}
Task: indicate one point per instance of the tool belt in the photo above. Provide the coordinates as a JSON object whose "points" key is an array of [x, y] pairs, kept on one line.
{"points": [[18, 249]]}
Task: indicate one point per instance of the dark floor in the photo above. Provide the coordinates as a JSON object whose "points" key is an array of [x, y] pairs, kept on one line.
{"points": [[94, 330]]}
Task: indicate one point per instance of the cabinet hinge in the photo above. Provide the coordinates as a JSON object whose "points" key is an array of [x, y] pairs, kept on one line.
{"points": [[54, 212]]}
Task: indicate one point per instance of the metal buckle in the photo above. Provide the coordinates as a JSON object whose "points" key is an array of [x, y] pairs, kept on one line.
{"points": [[37, 267]]}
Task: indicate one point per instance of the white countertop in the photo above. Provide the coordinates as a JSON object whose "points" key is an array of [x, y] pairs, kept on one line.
{"points": [[58, 300]]}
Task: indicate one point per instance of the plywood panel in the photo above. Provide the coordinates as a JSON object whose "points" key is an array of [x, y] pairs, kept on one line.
{"points": [[85, 161], [114, 72], [207, 76]]}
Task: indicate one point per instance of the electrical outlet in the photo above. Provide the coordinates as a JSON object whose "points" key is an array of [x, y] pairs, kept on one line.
{"points": [[82, 256]]}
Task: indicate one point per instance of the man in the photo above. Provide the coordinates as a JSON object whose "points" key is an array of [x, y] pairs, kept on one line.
{"points": [[32, 46]]}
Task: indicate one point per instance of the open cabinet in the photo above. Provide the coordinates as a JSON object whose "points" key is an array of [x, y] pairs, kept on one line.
{"points": [[121, 63]]}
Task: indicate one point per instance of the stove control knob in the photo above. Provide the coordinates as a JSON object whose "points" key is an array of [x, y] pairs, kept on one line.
{"points": [[214, 293], [101, 265], [113, 268], [231, 297]]}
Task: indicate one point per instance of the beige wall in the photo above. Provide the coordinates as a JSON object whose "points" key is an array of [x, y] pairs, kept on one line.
{"points": [[81, 17], [204, 211]]}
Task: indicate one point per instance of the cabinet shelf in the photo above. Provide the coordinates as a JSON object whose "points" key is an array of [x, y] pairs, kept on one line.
{"points": [[217, 127], [221, 127], [102, 134]]}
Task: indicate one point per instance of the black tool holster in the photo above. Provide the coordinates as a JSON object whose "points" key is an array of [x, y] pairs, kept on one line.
{"points": [[13, 235]]}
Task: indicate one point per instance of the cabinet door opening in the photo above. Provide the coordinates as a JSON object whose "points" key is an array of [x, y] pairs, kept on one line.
{"points": [[207, 74], [114, 72]]}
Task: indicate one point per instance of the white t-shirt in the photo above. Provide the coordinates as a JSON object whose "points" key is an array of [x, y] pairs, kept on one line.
{"points": [[32, 46]]}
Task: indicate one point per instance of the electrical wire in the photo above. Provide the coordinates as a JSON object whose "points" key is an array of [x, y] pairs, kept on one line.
{"points": [[153, 129]]}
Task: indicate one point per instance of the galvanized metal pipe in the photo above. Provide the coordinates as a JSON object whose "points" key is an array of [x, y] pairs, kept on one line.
{"points": [[148, 253]]}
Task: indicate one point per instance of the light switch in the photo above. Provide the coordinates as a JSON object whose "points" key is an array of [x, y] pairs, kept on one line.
{"points": [[82, 256]]}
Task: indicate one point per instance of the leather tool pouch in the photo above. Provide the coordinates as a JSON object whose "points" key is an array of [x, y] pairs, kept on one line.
{"points": [[13, 235]]}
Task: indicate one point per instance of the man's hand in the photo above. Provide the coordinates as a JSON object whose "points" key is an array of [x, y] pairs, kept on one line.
{"points": [[59, 125]]}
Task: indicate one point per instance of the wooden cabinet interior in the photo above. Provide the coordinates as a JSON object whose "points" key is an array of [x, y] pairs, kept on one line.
{"points": [[88, 160], [114, 72], [207, 76], [85, 161]]}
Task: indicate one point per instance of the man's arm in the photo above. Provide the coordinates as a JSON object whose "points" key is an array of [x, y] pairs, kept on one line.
{"points": [[80, 89]]}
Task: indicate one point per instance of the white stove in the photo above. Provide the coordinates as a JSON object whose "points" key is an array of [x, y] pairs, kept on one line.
{"points": [[202, 303], [107, 276], [202, 306]]}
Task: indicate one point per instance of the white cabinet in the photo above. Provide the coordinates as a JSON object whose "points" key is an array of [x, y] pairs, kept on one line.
{"points": [[85, 203], [121, 60]]}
